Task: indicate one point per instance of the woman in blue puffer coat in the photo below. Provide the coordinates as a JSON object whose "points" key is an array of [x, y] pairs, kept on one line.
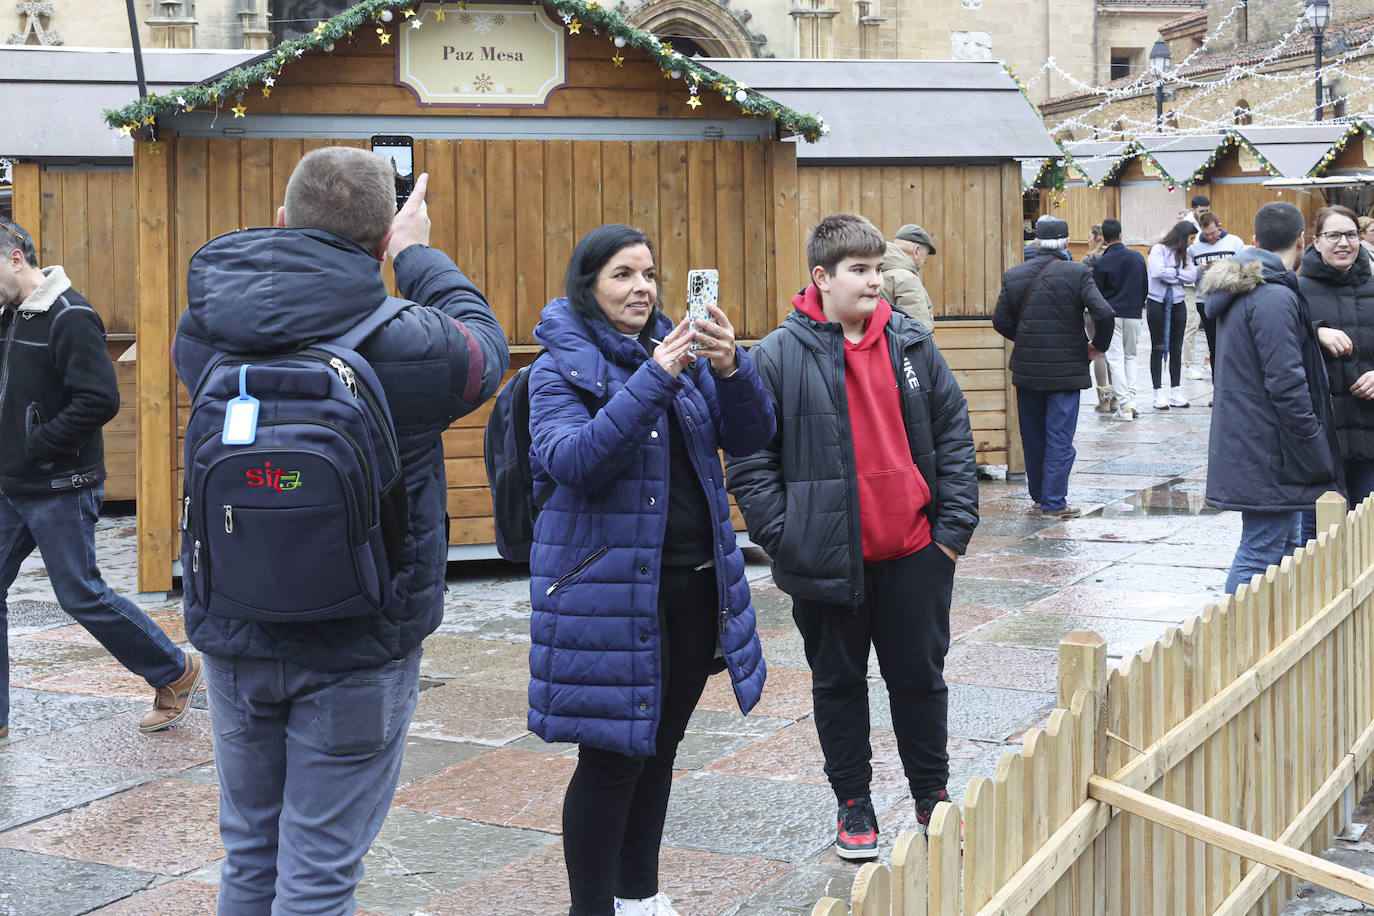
{"points": [[637, 585]]}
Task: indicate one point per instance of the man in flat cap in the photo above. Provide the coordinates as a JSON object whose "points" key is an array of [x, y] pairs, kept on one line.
{"points": [[901, 266], [1041, 308]]}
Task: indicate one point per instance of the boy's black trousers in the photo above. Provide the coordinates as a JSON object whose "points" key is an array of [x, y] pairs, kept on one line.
{"points": [[905, 616]]}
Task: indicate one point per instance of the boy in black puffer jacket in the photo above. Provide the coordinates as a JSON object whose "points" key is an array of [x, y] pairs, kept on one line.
{"points": [[864, 500]]}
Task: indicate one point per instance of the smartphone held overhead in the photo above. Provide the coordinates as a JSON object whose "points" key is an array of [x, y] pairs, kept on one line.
{"points": [[703, 289], [400, 150]]}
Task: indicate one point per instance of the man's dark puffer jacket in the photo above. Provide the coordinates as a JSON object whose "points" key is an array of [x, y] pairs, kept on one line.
{"points": [[1345, 300], [800, 496], [1272, 432], [1051, 352], [269, 290]]}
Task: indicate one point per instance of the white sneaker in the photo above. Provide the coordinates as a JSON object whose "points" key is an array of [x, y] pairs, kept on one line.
{"points": [[1197, 373], [1124, 413], [657, 905], [1161, 403], [1176, 398]]}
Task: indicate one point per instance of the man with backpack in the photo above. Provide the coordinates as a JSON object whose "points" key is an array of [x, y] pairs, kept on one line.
{"points": [[313, 546]]}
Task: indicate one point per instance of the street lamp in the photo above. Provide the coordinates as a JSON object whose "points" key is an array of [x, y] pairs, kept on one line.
{"points": [[1316, 15], [1160, 60]]}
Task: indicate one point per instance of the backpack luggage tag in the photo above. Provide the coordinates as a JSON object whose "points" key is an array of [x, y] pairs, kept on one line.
{"points": [[241, 415]]}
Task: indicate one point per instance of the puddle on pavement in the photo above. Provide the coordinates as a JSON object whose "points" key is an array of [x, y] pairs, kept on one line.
{"points": [[1177, 496]]}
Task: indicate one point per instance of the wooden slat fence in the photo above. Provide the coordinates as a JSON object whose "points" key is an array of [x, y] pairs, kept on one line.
{"points": [[1200, 776]]}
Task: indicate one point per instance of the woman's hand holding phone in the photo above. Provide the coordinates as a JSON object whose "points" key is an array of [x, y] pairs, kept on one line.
{"points": [[674, 352], [716, 341]]}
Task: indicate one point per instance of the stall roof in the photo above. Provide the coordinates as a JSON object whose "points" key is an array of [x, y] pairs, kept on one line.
{"points": [[91, 79], [1294, 151], [1180, 157], [932, 111], [1097, 159]]}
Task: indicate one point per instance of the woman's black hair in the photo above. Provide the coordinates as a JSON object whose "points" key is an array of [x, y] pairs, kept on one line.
{"points": [[1176, 240], [591, 254]]}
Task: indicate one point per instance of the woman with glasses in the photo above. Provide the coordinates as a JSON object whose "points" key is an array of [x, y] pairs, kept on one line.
{"points": [[1337, 283]]}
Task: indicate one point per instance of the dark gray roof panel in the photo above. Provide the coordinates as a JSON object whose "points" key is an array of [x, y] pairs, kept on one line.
{"points": [[902, 110], [94, 79]]}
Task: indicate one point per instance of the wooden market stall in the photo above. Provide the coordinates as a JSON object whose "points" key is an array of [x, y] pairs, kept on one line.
{"points": [[885, 159], [698, 163], [1147, 181], [73, 190]]}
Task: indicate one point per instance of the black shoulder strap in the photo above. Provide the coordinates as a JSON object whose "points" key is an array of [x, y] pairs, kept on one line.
{"points": [[1049, 262], [389, 309]]}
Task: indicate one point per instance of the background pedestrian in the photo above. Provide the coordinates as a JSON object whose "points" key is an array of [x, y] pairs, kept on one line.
{"points": [[1170, 268]]}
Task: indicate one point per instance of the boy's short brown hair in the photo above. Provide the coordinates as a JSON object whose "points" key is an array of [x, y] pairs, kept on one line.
{"points": [[843, 235]]}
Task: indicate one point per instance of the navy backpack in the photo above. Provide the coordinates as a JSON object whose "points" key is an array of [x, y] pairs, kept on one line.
{"points": [[306, 521], [506, 451]]}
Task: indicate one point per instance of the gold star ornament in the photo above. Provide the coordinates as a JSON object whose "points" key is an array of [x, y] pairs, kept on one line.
{"points": [[440, 15], [618, 60], [410, 14], [384, 36], [239, 110], [575, 27], [694, 103], [266, 92]]}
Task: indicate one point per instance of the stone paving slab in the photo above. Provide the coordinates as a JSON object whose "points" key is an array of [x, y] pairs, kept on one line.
{"points": [[994, 666], [1095, 601], [1145, 468], [481, 662], [39, 885], [122, 745], [1123, 636], [507, 788], [420, 856], [173, 623], [34, 659], [1134, 530], [164, 827], [426, 756], [105, 678], [463, 712], [1007, 596], [787, 821], [786, 694], [175, 898], [29, 616], [697, 881], [1046, 571], [33, 790], [795, 893], [40, 712], [1202, 584]]}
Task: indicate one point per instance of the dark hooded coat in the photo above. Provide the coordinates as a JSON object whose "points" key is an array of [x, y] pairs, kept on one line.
{"points": [[1273, 444], [1345, 300]]}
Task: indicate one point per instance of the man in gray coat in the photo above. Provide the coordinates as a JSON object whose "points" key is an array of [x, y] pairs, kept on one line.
{"points": [[906, 254]]}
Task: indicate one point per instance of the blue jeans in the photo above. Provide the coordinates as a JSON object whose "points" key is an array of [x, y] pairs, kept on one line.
{"points": [[62, 525], [1048, 422], [308, 763], [1265, 539]]}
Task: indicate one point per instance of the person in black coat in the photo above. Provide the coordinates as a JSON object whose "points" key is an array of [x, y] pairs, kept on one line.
{"points": [[1041, 308], [1337, 283], [1123, 279], [1272, 443]]}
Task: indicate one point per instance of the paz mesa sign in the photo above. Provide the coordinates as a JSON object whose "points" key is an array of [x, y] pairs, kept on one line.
{"points": [[483, 54]]}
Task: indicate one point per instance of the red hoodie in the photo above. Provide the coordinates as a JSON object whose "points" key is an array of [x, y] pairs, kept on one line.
{"points": [[892, 492]]}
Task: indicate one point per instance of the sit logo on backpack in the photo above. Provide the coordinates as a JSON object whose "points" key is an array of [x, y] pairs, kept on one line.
{"points": [[260, 427]]}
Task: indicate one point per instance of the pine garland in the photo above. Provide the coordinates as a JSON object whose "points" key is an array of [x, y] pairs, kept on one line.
{"points": [[576, 15]]}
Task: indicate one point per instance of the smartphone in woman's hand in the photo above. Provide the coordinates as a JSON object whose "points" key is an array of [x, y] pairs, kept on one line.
{"points": [[703, 289]]}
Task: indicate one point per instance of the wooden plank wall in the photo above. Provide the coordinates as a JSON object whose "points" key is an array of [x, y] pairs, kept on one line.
{"points": [[973, 214], [84, 221], [510, 212]]}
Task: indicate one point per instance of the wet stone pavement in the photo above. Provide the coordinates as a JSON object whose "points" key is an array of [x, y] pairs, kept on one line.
{"points": [[95, 818]]}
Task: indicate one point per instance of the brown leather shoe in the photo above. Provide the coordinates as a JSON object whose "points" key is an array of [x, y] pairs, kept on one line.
{"points": [[172, 702], [4, 732]]}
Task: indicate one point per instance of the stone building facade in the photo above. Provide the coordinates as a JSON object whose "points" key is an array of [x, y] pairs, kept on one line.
{"points": [[1256, 69], [1092, 40]]}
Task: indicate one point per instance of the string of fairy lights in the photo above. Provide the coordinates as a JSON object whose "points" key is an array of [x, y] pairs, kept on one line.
{"points": [[1184, 117], [381, 20]]}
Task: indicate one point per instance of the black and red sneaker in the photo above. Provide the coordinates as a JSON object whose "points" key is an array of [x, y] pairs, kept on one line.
{"points": [[925, 807], [856, 833]]}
